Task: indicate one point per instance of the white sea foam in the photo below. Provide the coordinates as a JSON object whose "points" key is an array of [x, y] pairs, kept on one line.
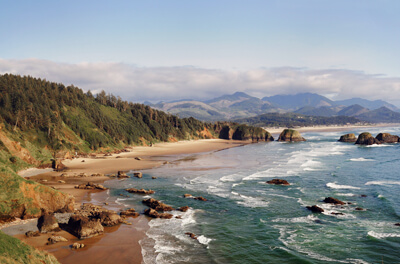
{"points": [[382, 235], [333, 185], [361, 159], [379, 146], [304, 219], [249, 201], [204, 240], [346, 194], [383, 183]]}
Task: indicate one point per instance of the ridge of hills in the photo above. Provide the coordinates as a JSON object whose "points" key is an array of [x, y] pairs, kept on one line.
{"points": [[241, 105]]}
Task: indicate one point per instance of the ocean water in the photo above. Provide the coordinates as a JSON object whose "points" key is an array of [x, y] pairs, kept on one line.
{"points": [[246, 220]]}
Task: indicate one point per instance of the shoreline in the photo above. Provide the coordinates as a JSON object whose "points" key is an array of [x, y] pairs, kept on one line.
{"points": [[278, 130], [122, 239]]}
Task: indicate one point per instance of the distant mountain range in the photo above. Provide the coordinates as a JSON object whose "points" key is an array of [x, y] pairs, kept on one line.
{"points": [[241, 105]]}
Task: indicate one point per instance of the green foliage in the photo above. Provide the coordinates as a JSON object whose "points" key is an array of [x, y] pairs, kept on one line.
{"points": [[14, 251]]}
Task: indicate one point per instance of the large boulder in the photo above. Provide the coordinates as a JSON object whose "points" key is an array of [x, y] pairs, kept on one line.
{"points": [[387, 138], [154, 214], [157, 205], [129, 212], [348, 138], [47, 223], [290, 135], [139, 191], [84, 227], [315, 209], [278, 182], [91, 186], [95, 212], [366, 139], [333, 201]]}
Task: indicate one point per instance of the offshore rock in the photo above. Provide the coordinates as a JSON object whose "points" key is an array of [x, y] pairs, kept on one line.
{"points": [[139, 191], [387, 138], [290, 135], [333, 201], [184, 208], [201, 198], [315, 209], [138, 175], [157, 205], [154, 214], [366, 139], [348, 138], [122, 174], [278, 182]]}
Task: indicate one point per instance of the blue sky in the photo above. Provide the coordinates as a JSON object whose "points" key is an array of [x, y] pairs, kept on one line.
{"points": [[218, 39]]}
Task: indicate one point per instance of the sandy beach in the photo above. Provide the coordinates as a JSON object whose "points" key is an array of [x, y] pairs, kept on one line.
{"points": [[118, 244]]}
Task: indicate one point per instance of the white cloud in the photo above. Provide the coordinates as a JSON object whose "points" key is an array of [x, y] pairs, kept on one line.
{"points": [[170, 83]]}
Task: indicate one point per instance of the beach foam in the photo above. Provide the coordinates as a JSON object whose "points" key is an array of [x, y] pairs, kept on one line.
{"points": [[361, 159], [383, 183], [382, 235], [333, 185]]}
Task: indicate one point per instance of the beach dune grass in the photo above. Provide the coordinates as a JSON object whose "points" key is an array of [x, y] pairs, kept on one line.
{"points": [[13, 251]]}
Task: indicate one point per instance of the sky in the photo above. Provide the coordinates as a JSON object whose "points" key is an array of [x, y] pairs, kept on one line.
{"points": [[166, 50]]}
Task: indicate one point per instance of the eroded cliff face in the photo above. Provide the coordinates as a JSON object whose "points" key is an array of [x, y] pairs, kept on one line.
{"points": [[20, 198]]}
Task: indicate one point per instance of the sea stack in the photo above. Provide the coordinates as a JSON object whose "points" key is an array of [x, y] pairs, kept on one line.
{"points": [[348, 138], [290, 135], [366, 139], [387, 138]]}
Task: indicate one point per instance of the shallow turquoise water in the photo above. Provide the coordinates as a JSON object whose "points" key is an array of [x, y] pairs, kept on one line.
{"points": [[246, 220]]}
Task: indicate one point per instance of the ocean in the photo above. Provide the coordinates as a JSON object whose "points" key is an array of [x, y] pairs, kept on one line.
{"points": [[246, 220]]}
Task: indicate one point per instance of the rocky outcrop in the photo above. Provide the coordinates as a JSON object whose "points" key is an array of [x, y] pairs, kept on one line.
{"points": [[191, 235], [333, 201], [27, 199], [139, 191], [56, 239], [154, 214], [91, 186], [106, 217], [187, 195], [138, 175], [315, 209], [77, 245], [244, 132], [366, 139], [387, 138], [200, 198], [290, 135], [278, 182], [157, 205], [32, 234], [183, 208], [122, 174], [57, 165], [47, 223], [129, 212], [348, 138], [84, 227]]}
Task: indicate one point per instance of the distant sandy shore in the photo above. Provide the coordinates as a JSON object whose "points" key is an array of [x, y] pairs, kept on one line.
{"points": [[119, 244], [278, 130]]}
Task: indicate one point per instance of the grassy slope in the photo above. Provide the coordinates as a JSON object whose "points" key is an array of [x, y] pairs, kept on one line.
{"points": [[13, 251]]}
